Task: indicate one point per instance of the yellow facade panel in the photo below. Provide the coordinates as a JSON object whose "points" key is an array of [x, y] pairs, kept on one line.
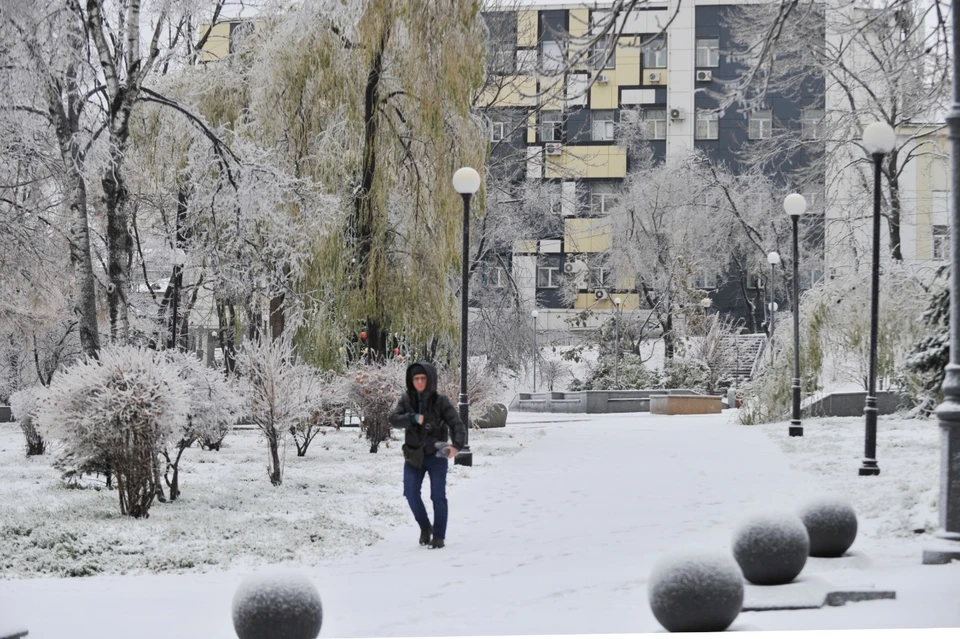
{"points": [[579, 22], [628, 66], [586, 235], [531, 128], [630, 301], [516, 90], [527, 28], [217, 46], [605, 96], [525, 246], [579, 162]]}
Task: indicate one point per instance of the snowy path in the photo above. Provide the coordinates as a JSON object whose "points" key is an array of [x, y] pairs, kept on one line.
{"points": [[557, 539]]}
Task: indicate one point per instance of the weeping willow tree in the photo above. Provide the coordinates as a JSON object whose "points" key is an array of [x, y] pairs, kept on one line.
{"points": [[371, 99]]}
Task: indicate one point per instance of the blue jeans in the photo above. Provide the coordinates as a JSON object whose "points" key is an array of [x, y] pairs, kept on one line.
{"points": [[436, 467]]}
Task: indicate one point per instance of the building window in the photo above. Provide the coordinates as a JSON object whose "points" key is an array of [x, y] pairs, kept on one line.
{"points": [[552, 56], [498, 131], [599, 271], [502, 45], [549, 272], [760, 125], [707, 280], [708, 125], [655, 53], [809, 279], [655, 124], [941, 242], [602, 125], [708, 52], [811, 122], [495, 274], [598, 54], [551, 126], [603, 197]]}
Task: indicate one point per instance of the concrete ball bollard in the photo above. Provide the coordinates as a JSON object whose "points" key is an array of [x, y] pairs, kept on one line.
{"points": [[771, 549], [279, 604], [696, 593], [831, 523]]}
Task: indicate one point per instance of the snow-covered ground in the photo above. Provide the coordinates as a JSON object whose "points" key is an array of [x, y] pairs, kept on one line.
{"points": [[335, 501], [556, 539]]}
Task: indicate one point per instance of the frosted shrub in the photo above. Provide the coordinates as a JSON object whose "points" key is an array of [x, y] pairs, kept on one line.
{"points": [[122, 408], [327, 413], [683, 372], [373, 390], [279, 395], [213, 408], [24, 404], [483, 388], [633, 375]]}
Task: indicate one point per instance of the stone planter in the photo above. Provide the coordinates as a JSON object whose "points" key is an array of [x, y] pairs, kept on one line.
{"points": [[685, 404]]}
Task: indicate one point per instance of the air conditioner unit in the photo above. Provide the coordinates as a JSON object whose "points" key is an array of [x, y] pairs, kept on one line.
{"points": [[704, 76], [653, 76], [600, 294], [603, 78], [676, 114], [568, 267], [553, 148]]}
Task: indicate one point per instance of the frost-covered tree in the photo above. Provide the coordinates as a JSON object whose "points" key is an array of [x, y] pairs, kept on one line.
{"points": [[213, 409], [930, 356], [373, 390], [328, 413], [280, 394], [123, 407], [24, 405]]}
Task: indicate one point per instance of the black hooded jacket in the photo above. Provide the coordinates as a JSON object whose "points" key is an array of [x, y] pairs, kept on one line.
{"points": [[440, 418]]}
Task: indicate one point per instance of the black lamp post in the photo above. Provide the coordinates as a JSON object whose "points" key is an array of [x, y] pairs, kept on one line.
{"points": [[878, 139], [467, 182], [536, 352], [616, 341], [947, 547], [795, 205]]}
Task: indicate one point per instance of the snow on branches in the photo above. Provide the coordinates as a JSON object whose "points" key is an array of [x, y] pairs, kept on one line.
{"points": [[120, 409], [281, 394]]}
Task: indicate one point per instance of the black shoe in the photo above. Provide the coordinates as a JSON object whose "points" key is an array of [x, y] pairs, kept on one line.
{"points": [[425, 535], [437, 542]]}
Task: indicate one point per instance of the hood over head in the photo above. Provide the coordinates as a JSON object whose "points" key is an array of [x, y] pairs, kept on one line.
{"points": [[431, 373]]}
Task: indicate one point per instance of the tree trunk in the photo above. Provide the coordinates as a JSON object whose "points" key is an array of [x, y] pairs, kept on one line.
{"points": [[896, 206], [276, 477], [227, 322], [119, 242], [669, 346]]}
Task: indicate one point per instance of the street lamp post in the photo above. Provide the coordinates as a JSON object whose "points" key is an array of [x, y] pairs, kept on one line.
{"points": [[878, 139], [616, 329], [773, 258], [795, 205], [466, 181], [536, 352], [948, 413]]}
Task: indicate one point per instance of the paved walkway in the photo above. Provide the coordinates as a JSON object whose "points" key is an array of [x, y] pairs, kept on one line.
{"points": [[558, 539]]}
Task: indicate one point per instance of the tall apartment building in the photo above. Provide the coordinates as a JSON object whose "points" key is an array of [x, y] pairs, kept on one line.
{"points": [[570, 143]]}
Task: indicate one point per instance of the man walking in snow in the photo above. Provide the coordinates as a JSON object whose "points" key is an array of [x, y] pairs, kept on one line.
{"points": [[428, 418]]}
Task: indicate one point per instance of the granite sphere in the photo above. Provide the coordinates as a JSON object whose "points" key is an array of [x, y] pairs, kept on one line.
{"points": [[831, 523], [279, 604], [771, 549], [696, 592]]}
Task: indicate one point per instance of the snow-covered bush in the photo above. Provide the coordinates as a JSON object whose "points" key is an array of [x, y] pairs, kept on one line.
{"points": [[483, 388], [927, 362], [686, 372], [327, 413], [121, 408], [214, 406], [695, 593], [24, 404], [373, 390], [633, 375], [279, 392], [277, 604], [835, 327], [553, 372], [771, 549]]}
